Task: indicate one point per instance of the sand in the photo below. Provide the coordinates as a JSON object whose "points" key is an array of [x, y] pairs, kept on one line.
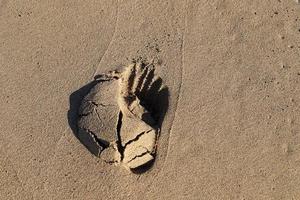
{"points": [[232, 128]]}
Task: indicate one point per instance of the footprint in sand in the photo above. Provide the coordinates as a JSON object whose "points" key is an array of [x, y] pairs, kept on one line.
{"points": [[120, 118]]}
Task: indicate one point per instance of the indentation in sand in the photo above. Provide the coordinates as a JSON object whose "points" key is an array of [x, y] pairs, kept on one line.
{"points": [[120, 117]]}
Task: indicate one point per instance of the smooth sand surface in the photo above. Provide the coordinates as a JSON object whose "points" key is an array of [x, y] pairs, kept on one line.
{"points": [[232, 130]]}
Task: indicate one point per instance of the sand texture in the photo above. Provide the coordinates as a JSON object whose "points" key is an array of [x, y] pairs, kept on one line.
{"points": [[222, 120]]}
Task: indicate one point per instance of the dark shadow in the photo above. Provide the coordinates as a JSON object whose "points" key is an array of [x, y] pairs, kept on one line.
{"points": [[162, 106], [157, 99], [143, 168]]}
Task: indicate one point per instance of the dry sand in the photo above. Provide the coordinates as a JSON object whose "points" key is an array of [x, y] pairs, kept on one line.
{"points": [[232, 67]]}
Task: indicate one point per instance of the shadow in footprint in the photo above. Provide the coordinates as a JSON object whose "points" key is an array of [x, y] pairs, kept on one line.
{"points": [[156, 100], [142, 169]]}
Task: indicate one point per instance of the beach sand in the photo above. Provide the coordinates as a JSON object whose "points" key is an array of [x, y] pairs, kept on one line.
{"points": [[232, 69]]}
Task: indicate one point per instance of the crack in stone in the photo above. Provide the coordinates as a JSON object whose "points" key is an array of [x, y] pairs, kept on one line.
{"points": [[136, 138], [120, 148], [95, 140], [99, 104], [84, 114], [100, 121], [101, 145], [94, 103], [141, 155]]}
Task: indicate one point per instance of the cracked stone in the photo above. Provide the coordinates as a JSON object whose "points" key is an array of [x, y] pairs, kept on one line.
{"points": [[99, 114], [118, 119]]}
